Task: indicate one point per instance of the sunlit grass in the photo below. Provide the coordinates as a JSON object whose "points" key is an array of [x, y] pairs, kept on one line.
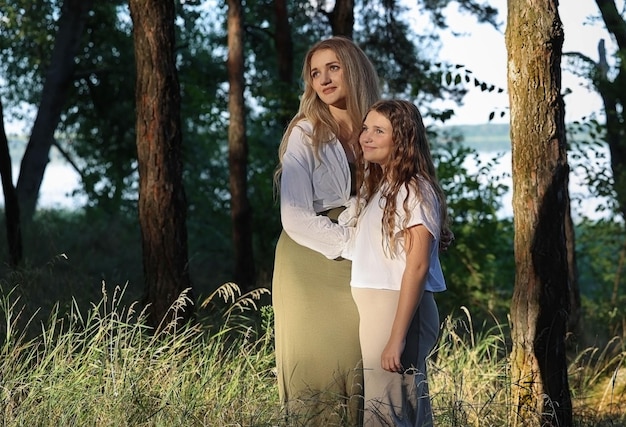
{"points": [[469, 375], [101, 366], [107, 369]]}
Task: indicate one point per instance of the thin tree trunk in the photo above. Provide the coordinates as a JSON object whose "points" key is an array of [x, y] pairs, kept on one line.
{"points": [[162, 202], [58, 81], [241, 212], [11, 205], [283, 41], [613, 93], [540, 389], [284, 52]]}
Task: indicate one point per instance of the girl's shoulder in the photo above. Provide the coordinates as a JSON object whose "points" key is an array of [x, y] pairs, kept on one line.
{"points": [[415, 190]]}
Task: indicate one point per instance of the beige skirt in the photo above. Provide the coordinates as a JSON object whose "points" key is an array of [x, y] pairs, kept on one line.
{"points": [[318, 354], [396, 399]]}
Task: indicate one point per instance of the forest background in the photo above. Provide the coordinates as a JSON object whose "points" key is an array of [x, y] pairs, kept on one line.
{"points": [[70, 255]]}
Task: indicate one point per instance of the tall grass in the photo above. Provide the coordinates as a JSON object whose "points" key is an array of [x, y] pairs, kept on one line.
{"points": [[103, 367], [108, 369], [470, 380], [469, 374]]}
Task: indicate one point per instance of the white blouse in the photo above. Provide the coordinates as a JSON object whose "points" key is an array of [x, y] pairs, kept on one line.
{"points": [[372, 267], [311, 184]]}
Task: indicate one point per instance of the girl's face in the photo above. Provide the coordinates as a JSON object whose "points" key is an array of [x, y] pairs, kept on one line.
{"points": [[327, 78], [376, 138]]}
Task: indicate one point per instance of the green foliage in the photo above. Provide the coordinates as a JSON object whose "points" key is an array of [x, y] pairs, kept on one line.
{"points": [[25, 48], [97, 129], [69, 255], [589, 158], [600, 262], [479, 266], [405, 58], [97, 125]]}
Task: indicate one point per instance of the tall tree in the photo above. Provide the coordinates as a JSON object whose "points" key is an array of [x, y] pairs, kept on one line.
{"points": [[241, 212], [11, 206], [610, 83], [58, 81], [341, 18], [613, 93], [95, 132], [285, 58], [534, 39], [162, 202]]}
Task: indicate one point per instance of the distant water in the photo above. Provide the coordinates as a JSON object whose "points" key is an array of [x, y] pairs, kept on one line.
{"points": [[60, 180], [582, 202]]}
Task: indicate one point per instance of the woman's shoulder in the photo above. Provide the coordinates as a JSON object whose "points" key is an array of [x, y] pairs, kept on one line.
{"points": [[299, 138], [304, 125]]}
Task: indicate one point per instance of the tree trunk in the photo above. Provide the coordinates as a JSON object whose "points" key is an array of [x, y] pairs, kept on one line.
{"points": [[283, 41], [162, 203], [284, 51], [342, 18], [539, 309], [241, 212], [613, 93], [11, 205], [58, 81]]}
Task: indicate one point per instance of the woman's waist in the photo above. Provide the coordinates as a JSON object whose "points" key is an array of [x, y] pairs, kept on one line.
{"points": [[332, 213]]}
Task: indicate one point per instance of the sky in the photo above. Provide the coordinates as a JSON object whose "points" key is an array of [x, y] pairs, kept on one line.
{"points": [[482, 49]]}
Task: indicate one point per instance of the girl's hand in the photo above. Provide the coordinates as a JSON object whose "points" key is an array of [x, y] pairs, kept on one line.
{"points": [[390, 359]]}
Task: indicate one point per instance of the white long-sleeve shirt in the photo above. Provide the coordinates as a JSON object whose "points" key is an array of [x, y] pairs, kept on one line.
{"points": [[312, 184]]}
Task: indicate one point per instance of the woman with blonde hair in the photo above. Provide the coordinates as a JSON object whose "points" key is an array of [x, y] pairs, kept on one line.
{"points": [[316, 321]]}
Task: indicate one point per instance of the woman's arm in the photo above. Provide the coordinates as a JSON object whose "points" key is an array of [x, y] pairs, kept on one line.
{"points": [[308, 179], [417, 245]]}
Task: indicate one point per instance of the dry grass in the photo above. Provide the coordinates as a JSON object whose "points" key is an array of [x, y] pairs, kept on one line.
{"points": [[105, 368]]}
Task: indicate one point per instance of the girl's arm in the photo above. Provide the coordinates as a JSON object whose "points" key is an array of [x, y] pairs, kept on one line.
{"points": [[417, 245]]}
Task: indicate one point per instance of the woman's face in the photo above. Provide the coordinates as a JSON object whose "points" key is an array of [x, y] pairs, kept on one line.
{"points": [[376, 138], [327, 78]]}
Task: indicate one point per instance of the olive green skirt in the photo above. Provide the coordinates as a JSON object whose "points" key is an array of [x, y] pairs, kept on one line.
{"points": [[318, 356]]}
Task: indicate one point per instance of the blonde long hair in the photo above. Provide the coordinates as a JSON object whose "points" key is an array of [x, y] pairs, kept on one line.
{"points": [[410, 165], [363, 90]]}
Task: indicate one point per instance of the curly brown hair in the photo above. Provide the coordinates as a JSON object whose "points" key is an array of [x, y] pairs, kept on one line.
{"points": [[410, 165]]}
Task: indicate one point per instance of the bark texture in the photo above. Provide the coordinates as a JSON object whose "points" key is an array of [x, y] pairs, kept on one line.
{"points": [[162, 202], [539, 309], [241, 212]]}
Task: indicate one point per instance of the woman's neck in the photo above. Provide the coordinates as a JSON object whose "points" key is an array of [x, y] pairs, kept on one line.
{"points": [[346, 133]]}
